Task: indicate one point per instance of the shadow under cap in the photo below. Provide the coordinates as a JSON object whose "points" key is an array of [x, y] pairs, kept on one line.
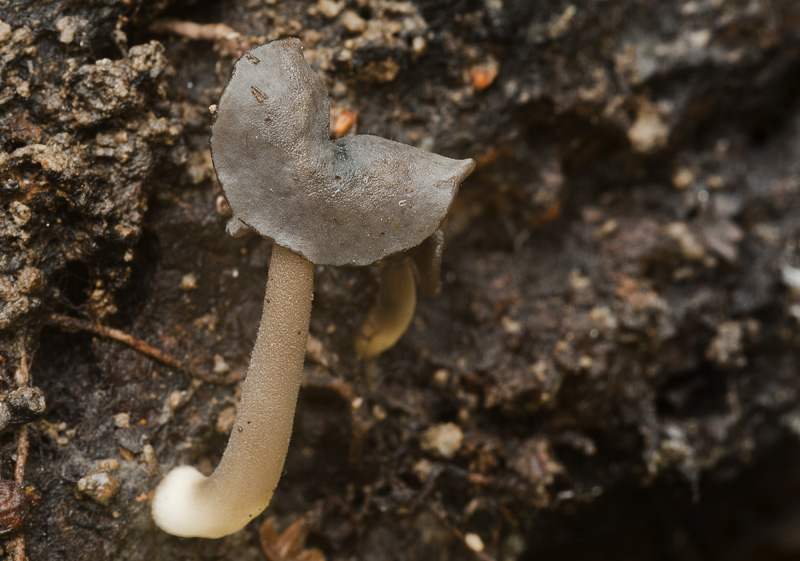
{"points": [[352, 201]]}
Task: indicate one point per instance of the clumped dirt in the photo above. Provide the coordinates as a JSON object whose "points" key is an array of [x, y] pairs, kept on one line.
{"points": [[610, 372]]}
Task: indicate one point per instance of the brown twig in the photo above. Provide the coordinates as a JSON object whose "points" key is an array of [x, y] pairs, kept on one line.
{"points": [[233, 40], [22, 378], [22, 375], [19, 479], [75, 324], [22, 455]]}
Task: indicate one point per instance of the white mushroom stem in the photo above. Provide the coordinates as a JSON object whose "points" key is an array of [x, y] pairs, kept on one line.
{"points": [[393, 310], [189, 504]]}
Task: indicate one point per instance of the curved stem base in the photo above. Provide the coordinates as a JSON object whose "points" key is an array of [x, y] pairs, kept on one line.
{"points": [[188, 504]]}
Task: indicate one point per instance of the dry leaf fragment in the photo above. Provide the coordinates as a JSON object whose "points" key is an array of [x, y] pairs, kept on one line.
{"points": [[288, 546]]}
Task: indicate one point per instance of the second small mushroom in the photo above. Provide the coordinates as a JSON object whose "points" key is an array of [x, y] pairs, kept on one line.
{"points": [[353, 201]]}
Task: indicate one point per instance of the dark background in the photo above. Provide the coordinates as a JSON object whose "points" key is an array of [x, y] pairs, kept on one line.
{"points": [[616, 341]]}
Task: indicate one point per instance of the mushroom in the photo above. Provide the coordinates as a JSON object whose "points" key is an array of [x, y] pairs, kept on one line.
{"points": [[394, 307], [353, 201], [393, 311]]}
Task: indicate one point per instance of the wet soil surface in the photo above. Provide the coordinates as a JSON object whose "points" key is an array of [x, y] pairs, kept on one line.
{"points": [[610, 371]]}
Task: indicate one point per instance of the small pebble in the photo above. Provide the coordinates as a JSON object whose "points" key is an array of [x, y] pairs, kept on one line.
{"points": [[69, 26], [176, 400], [20, 212], [101, 487], [30, 281], [378, 412], [444, 438], [329, 9], [122, 420], [188, 282], [225, 420], [422, 469], [352, 22], [419, 45], [220, 366], [683, 178], [474, 542]]}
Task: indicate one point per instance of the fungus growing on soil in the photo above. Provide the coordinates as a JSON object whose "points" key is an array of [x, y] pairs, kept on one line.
{"points": [[393, 311], [353, 201], [394, 307]]}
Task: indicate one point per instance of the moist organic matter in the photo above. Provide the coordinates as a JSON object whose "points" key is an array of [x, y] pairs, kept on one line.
{"points": [[614, 338]]}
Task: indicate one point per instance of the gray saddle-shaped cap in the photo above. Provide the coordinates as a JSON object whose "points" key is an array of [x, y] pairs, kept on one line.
{"points": [[352, 201]]}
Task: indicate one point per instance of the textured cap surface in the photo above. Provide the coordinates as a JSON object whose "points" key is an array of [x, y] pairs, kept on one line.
{"points": [[349, 202]]}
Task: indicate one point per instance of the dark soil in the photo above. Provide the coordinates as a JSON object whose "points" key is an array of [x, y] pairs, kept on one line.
{"points": [[617, 341]]}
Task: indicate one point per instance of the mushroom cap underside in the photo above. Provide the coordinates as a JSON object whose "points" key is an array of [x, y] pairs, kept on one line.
{"points": [[349, 202]]}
